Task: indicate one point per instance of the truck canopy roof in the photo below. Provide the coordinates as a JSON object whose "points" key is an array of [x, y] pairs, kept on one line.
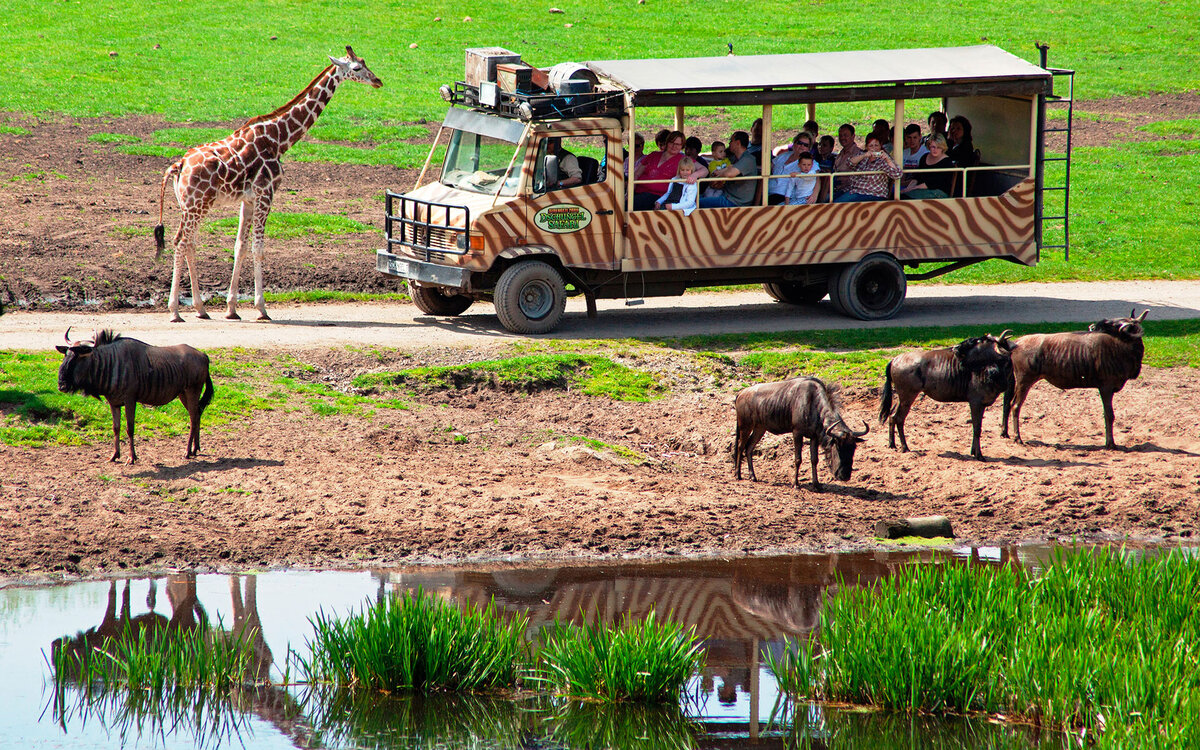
{"points": [[825, 76]]}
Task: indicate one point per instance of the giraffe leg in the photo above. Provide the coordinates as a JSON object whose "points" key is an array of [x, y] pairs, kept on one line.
{"points": [[194, 271], [173, 301], [262, 208], [239, 247]]}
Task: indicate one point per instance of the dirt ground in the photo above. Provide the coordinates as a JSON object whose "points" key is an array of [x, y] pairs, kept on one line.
{"points": [[480, 474], [485, 474]]}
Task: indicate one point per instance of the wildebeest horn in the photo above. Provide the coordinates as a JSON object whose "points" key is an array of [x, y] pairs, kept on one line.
{"points": [[866, 428], [1005, 335], [1141, 317], [67, 336]]}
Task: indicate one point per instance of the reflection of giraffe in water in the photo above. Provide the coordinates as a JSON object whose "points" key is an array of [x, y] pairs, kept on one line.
{"points": [[270, 703], [115, 626]]}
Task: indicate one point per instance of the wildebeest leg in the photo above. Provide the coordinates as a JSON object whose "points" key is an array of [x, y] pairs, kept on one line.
{"points": [[905, 403], [798, 440], [1106, 398], [751, 442], [1007, 407], [737, 452], [976, 428], [191, 401], [813, 453], [130, 409], [1020, 391], [116, 414]]}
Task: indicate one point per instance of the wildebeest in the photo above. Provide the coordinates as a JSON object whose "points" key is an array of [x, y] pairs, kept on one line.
{"points": [[1103, 357], [129, 372], [804, 407], [976, 371]]}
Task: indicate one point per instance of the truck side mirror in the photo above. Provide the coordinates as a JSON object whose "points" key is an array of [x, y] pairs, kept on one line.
{"points": [[549, 174]]}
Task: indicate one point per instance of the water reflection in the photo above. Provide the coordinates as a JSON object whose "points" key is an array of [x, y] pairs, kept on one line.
{"points": [[741, 609], [208, 717]]}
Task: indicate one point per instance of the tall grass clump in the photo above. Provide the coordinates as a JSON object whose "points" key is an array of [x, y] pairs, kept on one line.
{"points": [[1103, 642], [155, 661], [416, 642], [645, 662]]}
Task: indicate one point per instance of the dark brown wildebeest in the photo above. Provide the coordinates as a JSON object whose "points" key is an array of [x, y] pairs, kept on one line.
{"points": [[129, 372], [805, 408], [976, 371], [1103, 357]]}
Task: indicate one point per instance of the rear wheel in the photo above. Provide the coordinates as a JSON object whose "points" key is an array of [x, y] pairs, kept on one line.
{"points": [[433, 300], [872, 289], [530, 297], [792, 293]]}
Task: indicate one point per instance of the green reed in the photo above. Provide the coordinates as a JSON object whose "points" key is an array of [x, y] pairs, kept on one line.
{"points": [[417, 642], [155, 660], [1103, 643], [647, 661]]}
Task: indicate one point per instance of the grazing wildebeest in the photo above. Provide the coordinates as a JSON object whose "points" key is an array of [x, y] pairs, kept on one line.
{"points": [[129, 372], [805, 408], [975, 371], [1103, 357]]}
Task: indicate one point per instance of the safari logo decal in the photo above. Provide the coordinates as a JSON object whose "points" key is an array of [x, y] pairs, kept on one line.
{"points": [[562, 218]]}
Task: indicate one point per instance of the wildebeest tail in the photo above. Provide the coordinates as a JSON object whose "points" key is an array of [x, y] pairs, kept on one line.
{"points": [[885, 399], [207, 397], [160, 233]]}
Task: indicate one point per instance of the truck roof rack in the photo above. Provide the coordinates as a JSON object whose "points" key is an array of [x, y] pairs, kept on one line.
{"points": [[541, 106]]}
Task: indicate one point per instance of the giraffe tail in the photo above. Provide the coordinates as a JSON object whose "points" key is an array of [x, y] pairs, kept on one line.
{"points": [[160, 233]]}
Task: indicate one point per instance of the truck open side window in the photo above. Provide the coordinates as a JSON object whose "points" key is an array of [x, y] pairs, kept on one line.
{"points": [[578, 160]]}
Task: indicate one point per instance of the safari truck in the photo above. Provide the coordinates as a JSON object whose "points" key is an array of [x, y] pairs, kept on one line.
{"points": [[503, 223]]}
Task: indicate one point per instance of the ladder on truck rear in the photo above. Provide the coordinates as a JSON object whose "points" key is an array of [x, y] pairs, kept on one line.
{"points": [[1050, 102]]}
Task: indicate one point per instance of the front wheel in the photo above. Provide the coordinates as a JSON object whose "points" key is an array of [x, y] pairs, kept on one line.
{"points": [[432, 300], [872, 289], [530, 297]]}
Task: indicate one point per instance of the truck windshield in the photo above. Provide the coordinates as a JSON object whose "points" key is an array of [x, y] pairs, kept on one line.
{"points": [[478, 162]]}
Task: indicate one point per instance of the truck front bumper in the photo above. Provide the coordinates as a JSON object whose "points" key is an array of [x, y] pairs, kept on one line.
{"points": [[421, 271]]}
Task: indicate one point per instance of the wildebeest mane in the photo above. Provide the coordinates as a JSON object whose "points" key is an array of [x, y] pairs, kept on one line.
{"points": [[107, 336]]}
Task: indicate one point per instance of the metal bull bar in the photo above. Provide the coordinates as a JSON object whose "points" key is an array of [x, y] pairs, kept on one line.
{"points": [[426, 227]]}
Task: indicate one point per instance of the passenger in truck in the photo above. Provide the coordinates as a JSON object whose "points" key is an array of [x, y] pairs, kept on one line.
{"points": [[639, 150], [870, 187], [658, 167], [718, 162], [842, 163], [739, 192], [683, 195], [914, 146], [568, 165], [935, 184], [937, 125], [962, 149]]}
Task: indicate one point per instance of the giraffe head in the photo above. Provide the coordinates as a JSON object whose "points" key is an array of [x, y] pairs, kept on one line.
{"points": [[353, 68]]}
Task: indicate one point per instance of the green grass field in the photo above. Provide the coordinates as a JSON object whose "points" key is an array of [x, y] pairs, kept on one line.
{"points": [[220, 61]]}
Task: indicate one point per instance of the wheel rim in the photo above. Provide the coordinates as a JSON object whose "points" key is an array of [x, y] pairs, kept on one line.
{"points": [[877, 289], [536, 299]]}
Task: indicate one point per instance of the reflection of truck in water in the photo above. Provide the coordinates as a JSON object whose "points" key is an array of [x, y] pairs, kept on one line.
{"points": [[534, 202]]}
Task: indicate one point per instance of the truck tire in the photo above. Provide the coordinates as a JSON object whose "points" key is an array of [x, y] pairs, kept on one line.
{"points": [[871, 289], [530, 297], [433, 300], [791, 293]]}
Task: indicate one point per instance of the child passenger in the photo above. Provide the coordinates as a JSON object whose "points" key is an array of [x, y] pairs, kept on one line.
{"points": [[681, 196], [719, 161]]}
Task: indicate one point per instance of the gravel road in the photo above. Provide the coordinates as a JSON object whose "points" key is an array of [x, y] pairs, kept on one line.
{"points": [[402, 325]]}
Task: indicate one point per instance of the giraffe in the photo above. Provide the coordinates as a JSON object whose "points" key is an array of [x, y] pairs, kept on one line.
{"points": [[243, 168]]}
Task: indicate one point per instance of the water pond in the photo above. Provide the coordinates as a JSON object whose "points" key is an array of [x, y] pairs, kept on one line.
{"points": [[743, 609]]}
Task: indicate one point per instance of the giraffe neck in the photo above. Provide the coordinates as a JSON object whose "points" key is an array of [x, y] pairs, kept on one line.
{"points": [[289, 123]]}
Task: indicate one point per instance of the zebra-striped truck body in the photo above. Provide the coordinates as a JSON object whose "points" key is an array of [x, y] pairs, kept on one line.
{"points": [[128, 372], [497, 224]]}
